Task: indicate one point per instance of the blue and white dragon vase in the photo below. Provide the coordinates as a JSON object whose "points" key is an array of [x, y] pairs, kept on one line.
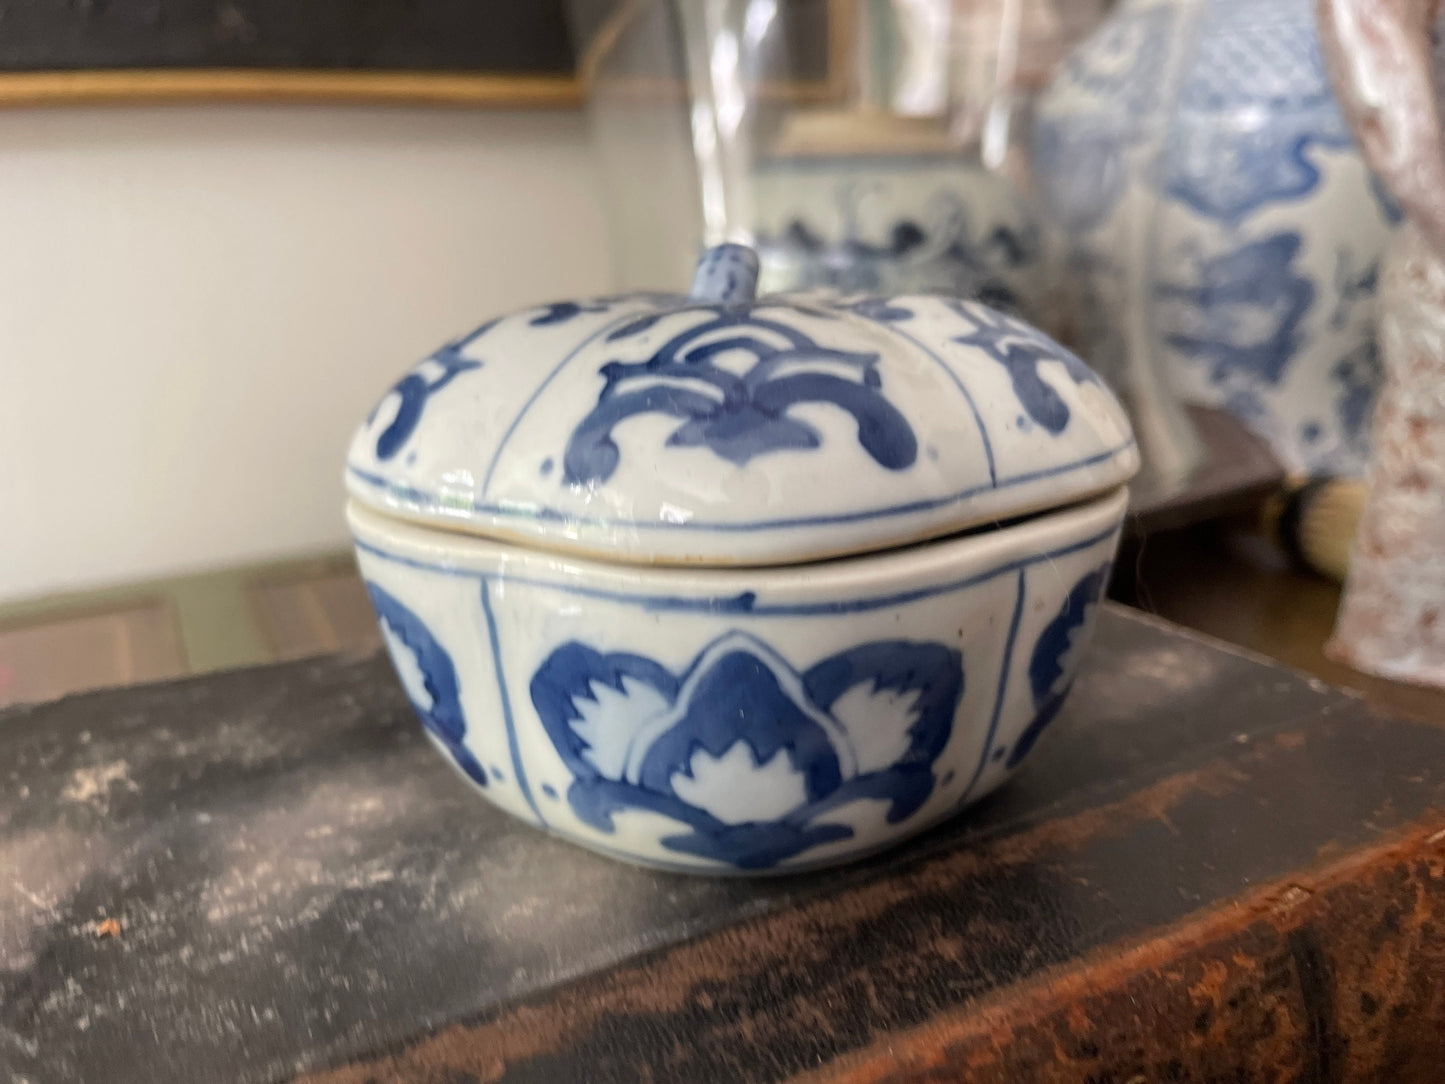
{"points": [[1193, 149]]}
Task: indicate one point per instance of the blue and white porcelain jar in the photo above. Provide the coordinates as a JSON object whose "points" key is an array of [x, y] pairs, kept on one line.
{"points": [[925, 221], [718, 583], [1193, 156]]}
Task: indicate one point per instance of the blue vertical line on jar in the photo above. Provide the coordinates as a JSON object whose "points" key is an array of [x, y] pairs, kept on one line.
{"points": [[1008, 655], [519, 773], [958, 383], [611, 325]]}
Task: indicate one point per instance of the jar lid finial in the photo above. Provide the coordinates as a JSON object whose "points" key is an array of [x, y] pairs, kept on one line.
{"points": [[726, 273]]}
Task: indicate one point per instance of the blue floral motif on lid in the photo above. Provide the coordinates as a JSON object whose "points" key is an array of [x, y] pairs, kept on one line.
{"points": [[737, 417], [1021, 348], [636, 736], [884, 310], [415, 390], [560, 312]]}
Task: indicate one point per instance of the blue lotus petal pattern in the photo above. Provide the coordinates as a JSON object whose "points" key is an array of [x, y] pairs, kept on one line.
{"points": [[430, 679], [749, 754], [1050, 675]]}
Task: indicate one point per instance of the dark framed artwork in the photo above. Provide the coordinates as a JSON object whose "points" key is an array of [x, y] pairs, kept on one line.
{"points": [[634, 47], [461, 52]]}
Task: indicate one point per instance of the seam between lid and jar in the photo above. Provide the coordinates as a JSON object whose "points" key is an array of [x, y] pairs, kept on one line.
{"points": [[419, 506]]}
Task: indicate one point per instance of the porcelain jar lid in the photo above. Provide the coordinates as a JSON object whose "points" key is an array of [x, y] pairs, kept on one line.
{"points": [[726, 429]]}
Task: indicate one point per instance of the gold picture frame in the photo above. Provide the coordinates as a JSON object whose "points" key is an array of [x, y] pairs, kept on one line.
{"points": [[140, 86]]}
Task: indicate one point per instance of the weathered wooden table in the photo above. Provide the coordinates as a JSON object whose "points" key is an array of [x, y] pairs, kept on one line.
{"points": [[1212, 869]]}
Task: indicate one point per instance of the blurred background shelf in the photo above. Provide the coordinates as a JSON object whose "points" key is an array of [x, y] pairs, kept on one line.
{"points": [[1233, 585], [64, 644], [1236, 475]]}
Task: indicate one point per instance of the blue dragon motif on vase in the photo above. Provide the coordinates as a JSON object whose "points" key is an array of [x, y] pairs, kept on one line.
{"points": [[1359, 376], [1243, 313]]}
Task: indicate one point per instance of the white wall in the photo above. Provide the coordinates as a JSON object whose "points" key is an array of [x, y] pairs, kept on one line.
{"points": [[198, 303]]}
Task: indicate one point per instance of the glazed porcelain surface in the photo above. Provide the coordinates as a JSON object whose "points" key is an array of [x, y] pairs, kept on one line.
{"points": [[906, 223], [727, 721], [740, 719], [740, 431], [1264, 228]]}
